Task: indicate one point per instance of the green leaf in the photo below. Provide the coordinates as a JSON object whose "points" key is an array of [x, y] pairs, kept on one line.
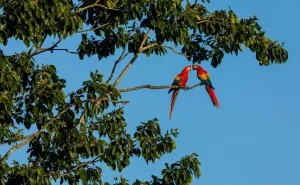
{"points": [[83, 176]]}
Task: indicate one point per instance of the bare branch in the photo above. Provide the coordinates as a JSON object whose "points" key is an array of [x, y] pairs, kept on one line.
{"points": [[141, 49], [40, 50], [16, 140], [206, 20], [72, 52], [144, 40], [93, 29], [39, 46], [31, 136], [96, 5], [158, 87], [44, 38], [31, 48], [126, 69], [122, 56], [149, 46], [173, 49], [14, 148]]}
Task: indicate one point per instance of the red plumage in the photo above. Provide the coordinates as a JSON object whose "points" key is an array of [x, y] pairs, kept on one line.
{"points": [[180, 80], [174, 96], [205, 80], [212, 95]]}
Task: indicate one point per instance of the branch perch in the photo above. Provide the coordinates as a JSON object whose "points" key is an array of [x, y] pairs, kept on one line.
{"points": [[158, 87]]}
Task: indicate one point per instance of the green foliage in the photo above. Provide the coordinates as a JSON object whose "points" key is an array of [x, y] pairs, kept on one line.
{"points": [[77, 132]]}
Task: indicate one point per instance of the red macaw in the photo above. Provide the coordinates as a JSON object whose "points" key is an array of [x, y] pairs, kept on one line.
{"points": [[205, 80], [180, 80]]}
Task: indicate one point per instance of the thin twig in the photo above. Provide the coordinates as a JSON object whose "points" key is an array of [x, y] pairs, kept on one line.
{"points": [[93, 29], [31, 48], [52, 120], [122, 56], [72, 52], [177, 52], [206, 20], [141, 49], [126, 69], [44, 38], [96, 5], [41, 50], [157, 87], [39, 46]]}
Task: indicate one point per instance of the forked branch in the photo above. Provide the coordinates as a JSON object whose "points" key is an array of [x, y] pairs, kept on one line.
{"points": [[122, 56], [40, 50], [141, 49]]}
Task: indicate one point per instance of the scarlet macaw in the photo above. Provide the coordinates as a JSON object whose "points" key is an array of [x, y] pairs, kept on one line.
{"points": [[180, 80], [205, 80]]}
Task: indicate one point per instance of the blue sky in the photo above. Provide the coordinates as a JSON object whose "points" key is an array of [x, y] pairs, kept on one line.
{"points": [[254, 137]]}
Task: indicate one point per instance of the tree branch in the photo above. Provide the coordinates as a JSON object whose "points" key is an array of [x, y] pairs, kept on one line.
{"points": [[126, 69], [77, 167], [173, 49], [144, 40], [39, 46], [141, 49], [95, 5], [122, 56], [149, 46], [93, 29], [17, 139], [31, 136], [206, 20], [40, 50], [158, 87], [72, 52]]}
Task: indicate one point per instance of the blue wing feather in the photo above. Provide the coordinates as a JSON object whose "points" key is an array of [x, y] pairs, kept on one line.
{"points": [[176, 81]]}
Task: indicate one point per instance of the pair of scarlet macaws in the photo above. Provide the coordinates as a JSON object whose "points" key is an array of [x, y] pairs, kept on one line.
{"points": [[182, 78]]}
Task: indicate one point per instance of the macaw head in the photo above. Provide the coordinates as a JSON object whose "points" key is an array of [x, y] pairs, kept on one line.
{"points": [[187, 69], [197, 67]]}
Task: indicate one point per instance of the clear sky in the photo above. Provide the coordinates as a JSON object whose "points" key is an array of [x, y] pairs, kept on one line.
{"points": [[254, 137]]}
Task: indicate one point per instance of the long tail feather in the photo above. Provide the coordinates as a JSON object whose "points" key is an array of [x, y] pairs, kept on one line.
{"points": [[174, 95], [212, 95]]}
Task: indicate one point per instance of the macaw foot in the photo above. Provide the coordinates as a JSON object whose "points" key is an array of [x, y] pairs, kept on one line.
{"points": [[185, 88]]}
